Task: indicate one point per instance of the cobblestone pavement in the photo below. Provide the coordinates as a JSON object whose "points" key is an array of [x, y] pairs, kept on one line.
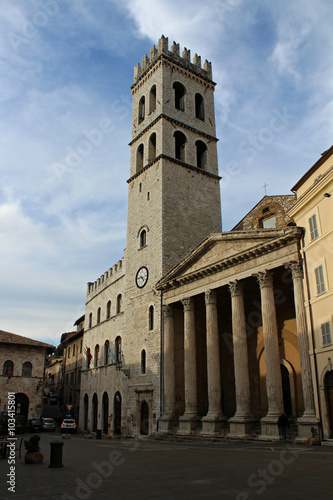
{"points": [[148, 469]]}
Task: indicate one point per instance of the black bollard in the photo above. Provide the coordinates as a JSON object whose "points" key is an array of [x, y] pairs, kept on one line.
{"points": [[56, 454], [98, 434]]}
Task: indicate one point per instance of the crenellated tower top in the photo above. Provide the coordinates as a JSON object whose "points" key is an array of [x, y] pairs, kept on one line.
{"points": [[174, 55]]}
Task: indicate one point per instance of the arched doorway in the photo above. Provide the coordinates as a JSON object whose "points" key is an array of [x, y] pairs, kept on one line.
{"points": [[22, 404], [95, 411], [105, 404], [286, 390], [117, 414], [144, 418], [329, 398], [86, 406]]}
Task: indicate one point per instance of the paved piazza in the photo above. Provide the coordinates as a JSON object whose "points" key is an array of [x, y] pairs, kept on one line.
{"points": [[145, 469]]}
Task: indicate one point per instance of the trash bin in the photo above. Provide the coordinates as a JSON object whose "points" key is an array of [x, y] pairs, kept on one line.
{"points": [[56, 454], [99, 434]]}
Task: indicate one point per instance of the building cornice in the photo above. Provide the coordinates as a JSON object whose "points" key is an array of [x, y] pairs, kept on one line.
{"points": [[174, 122], [177, 162], [171, 281]]}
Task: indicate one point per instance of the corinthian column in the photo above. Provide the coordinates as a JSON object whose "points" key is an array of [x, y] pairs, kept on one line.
{"points": [[309, 415], [168, 418], [272, 355], [241, 365], [212, 421], [190, 370]]}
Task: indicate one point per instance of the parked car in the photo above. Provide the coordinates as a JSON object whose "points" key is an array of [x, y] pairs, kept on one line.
{"points": [[48, 424], [53, 401], [36, 425], [68, 425], [20, 424]]}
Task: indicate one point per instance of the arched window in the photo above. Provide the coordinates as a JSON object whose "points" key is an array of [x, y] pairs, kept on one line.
{"points": [[90, 320], [152, 148], [143, 362], [119, 303], [139, 158], [98, 315], [118, 349], [152, 99], [199, 107], [107, 352], [26, 369], [180, 141], [141, 109], [8, 368], [179, 96], [96, 355], [201, 149], [108, 309], [143, 238], [151, 318]]}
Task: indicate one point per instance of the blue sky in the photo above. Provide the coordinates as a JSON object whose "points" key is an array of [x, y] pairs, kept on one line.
{"points": [[66, 70]]}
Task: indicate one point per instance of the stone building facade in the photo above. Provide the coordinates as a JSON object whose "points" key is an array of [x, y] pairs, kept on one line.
{"points": [[73, 356], [173, 202], [313, 210], [194, 331], [22, 364]]}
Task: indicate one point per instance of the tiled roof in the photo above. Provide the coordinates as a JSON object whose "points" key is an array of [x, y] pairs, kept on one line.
{"points": [[12, 338]]}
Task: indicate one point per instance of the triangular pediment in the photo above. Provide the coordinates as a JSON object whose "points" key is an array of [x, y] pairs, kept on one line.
{"points": [[222, 247]]}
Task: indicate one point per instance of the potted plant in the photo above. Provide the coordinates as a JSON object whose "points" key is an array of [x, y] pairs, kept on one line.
{"points": [[33, 454]]}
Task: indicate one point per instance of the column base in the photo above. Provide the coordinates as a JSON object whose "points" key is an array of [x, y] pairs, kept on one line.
{"points": [[269, 428], [240, 427], [167, 423], [188, 423], [213, 423], [308, 427]]}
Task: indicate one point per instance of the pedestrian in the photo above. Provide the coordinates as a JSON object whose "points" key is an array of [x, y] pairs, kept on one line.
{"points": [[283, 424]]}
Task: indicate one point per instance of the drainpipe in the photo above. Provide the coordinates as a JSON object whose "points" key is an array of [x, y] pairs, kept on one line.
{"points": [[306, 275], [161, 353]]}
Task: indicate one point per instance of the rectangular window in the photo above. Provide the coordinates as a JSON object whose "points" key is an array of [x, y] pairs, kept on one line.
{"points": [[269, 223], [73, 350], [69, 352], [326, 332], [320, 280], [313, 227]]}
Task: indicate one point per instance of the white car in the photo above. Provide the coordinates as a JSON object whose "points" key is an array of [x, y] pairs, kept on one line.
{"points": [[48, 424], [68, 425]]}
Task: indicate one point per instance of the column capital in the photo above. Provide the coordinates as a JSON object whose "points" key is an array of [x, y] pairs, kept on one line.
{"points": [[210, 297], [265, 279], [235, 288], [188, 304], [167, 310], [296, 268]]}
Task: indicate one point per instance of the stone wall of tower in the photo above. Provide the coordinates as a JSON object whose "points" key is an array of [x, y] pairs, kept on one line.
{"points": [[191, 210]]}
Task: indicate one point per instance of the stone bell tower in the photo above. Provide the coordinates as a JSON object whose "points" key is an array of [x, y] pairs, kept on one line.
{"points": [[174, 195]]}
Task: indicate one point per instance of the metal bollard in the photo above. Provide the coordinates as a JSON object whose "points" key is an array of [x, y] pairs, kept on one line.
{"points": [[98, 434], [56, 454]]}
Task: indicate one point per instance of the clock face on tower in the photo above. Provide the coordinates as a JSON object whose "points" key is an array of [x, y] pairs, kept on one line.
{"points": [[141, 277]]}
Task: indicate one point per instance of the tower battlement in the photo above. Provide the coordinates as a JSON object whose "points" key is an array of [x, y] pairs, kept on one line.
{"points": [[173, 54], [105, 279]]}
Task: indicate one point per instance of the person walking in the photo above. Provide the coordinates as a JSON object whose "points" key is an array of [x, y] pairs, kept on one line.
{"points": [[283, 424]]}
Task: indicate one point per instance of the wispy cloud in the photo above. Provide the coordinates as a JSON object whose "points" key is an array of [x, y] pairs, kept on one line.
{"points": [[63, 194]]}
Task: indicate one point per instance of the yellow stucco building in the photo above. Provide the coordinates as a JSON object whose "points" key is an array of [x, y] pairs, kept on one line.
{"points": [[313, 211]]}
